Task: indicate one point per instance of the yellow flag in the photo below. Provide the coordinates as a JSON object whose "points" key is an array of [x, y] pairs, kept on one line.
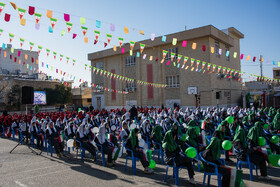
{"points": [[5, 54], [37, 61], [22, 21], [141, 32], [49, 13], [115, 48], [125, 30], [248, 58], [86, 40], [212, 50], [14, 5], [162, 61], [26, 56], [151, 58], [194, 46], [19, 61]]}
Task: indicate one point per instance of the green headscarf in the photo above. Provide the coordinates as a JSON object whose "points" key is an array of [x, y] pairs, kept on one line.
{"points": [[240, 136], [245, 121], [132, 137], [215, 146], [275, 124], [157, 132], [191, 135], [223, 123], [178, 128], [169, 143], [191, 123], [254, 133]]}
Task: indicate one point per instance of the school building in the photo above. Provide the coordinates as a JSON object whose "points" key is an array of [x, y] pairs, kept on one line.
{"points": [[185, 87]]}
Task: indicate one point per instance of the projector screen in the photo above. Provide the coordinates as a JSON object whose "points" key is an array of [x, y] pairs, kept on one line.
{"points": [[40, 98]]}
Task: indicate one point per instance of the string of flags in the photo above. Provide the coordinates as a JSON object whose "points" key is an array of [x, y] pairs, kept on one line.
{"points": [[69, 25]]}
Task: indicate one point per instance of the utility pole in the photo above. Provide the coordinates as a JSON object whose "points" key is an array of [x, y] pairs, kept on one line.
{"points": [[261, 57]]}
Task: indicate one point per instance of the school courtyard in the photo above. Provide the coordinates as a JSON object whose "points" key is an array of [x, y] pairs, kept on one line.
{"points": [[25, 169]]}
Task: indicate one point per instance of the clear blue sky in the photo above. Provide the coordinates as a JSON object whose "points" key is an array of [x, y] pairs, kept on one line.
{"points": [[258, 20]]}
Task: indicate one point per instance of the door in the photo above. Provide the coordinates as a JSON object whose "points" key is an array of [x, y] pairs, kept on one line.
{"points": [[98, 102]]}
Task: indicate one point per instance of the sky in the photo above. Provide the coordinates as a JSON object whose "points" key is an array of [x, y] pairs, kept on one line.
{"points": [[258, 20]]}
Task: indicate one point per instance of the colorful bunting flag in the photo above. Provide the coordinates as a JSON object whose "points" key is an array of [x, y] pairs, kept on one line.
{"points": [[142, 46], [184, 44], [172, 56], [7, 17], [21, 12], [203, 64], [153, 35], [37, 17], [208, 66], [224, 70], [53, 22], [31, 45], [98, 24], [66, 17], [120, 41], [132, 43], [22, 21], [54, 55], [31, 10], [174, 41], [192, 61], [48, 52], [85, 29], [194, 46], [11, 37], [179, 58], [219, 68], [69, 26], [96, 34], [125, 29], [186, 59], [109, 38], [21, 42], [2, 6], [61, 57], [197, 63], [1, 31], [141, 32], [214, 67], [67, 59], [14, 5], [39, 49]]}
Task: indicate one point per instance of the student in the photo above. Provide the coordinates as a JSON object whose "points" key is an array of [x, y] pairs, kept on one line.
{"points": [[213, 153], [255, 156], [35, 132], [132, 143], [52, 136], [157, 136], [81, 136], [24, 129], [125, 131], [239, 143], [192, 139], [70, 130], [107, 148], [172, 150]]}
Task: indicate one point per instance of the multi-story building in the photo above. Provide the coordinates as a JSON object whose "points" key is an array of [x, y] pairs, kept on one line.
{"points": [[210, 88], [18, 61]]}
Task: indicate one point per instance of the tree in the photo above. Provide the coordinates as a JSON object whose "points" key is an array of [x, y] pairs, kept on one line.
{"points": [[14, 97], [59, 95]]}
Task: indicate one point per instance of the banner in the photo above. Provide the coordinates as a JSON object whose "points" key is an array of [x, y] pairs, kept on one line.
{"points": [[69, 26]]}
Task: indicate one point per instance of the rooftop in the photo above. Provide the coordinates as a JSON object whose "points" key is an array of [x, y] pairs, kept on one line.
{"points": [[205, 31]]}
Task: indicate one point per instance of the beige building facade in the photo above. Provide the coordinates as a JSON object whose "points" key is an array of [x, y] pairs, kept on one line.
{"points": [[178, 80]]}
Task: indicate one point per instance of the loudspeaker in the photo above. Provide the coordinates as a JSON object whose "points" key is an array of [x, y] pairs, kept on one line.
{"points": [[217, 95], [27, 95]]}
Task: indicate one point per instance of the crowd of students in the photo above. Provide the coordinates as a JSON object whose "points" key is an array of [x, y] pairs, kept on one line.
{"points": [[203, 129]]}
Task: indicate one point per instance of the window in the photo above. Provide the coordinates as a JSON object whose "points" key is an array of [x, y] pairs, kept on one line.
{"points": [[227, 49], [130, 60], [217, 47], [89, 100], [277, 73], [99, 65], [99, 88], [172, 50], [173, 81], [130, 86]]}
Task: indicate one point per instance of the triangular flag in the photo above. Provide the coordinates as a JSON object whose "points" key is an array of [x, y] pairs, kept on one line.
{"points": [[214, 66], [192, 61], [14, 5], [172, 56], [37, 17], [142, 46], [105, 44], [48, 52], [21, 12], [2, 6], [67, 17], [208, 66], [1, 31], [197, 63], [69, 26], [186, 59], [53, 22], [164, 54], [203, 64], [179, 58], [120, 41], [31, 45], [96, 34], [132, 43], [67, 59], [84, 30], [39, 49], [21, 42], [109, 38], [61, 57], [74, 35], [11, 37], [54, 55]]}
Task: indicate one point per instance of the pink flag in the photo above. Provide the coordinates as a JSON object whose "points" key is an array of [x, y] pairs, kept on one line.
{"points": [[67, 17], [112, 27], [19, 53], [241, 57], [123, 50], [184, 43], [74, 35]]}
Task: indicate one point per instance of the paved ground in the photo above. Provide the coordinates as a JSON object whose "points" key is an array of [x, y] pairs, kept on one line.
{"points": [[23, 168]]}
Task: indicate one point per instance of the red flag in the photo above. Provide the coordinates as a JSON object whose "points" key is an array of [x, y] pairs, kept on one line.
{"points": [[254, 59], [203, 48], [74, 35], [7, 17], [105, 44], [31, 10]]}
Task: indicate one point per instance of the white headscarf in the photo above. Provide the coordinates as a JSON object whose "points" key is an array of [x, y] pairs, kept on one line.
{"points": [[101, 135], [144, 128], [49, 128], [31, 128], [81, 131]]}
